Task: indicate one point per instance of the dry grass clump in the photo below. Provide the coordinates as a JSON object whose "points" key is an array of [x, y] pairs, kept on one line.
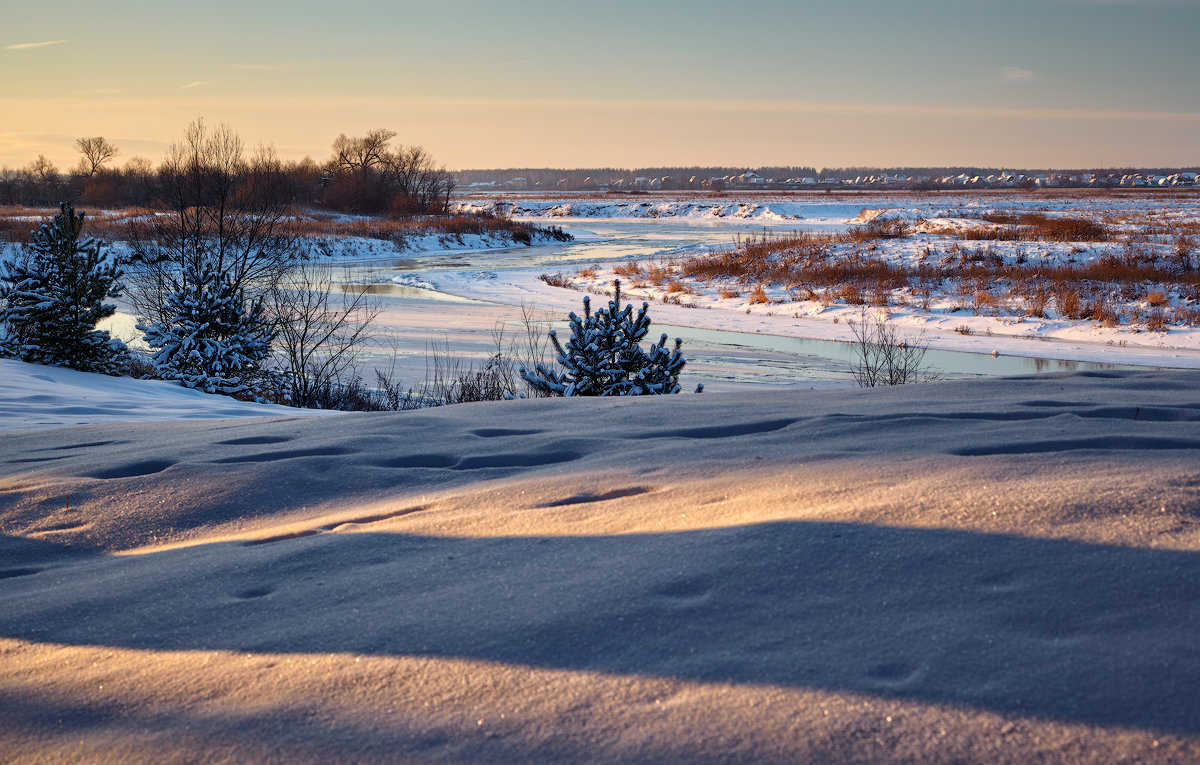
{"points": [[558, 280], [993, 233], [1069, 300], [1156, 321], [1036, 225], [879, 228]]}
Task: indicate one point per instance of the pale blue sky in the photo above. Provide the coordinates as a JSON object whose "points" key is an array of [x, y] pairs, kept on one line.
{"points": [[1060, 83]]}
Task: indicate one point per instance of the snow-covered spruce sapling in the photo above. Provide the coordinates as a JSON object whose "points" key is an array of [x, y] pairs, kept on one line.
{"points": [[603, 356], [54, 297], [212, 340]]}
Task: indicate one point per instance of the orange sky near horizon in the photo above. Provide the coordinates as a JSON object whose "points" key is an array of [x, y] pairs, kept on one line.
{"points": [[1021, 84]]}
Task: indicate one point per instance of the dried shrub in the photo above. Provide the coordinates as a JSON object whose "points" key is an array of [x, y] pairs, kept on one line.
{"points": [[882, 356], [879, 228], [558, 280], [1034, 225], [1187, 316], [1070, 302], [1156, 321], [851, 294], [984, 301], [995, 233]]}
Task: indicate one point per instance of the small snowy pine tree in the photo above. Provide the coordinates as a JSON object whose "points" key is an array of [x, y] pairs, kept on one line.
{"points": [[212, 341], [603, 356], [54, 297]]}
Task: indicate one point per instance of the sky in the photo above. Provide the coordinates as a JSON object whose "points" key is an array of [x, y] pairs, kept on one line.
{"points": [[533, 83]]}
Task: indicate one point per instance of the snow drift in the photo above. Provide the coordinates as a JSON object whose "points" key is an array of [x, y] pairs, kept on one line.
{"points": [[999, 571]]}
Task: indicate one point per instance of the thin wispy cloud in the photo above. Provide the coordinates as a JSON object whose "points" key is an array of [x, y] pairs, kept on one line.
{"points": [[1015, 74], [280, 67], [193, 84], [32, 45]]}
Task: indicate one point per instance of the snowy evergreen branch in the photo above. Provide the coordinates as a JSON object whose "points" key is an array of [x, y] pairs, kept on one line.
{"points": [[603, 356]]}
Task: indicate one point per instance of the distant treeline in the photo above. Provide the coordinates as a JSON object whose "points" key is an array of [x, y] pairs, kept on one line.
{"points": [[365, 174]]}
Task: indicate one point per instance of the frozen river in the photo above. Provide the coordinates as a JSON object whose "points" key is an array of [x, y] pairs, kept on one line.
{"points": [[411, 321]]}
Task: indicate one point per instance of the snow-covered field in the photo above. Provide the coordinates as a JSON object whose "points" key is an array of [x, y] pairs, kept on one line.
{"points": [[1001, 571]]}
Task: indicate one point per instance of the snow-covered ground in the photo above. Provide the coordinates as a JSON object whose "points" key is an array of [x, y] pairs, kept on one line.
{"points": [[33, 396], [1000, 571]]}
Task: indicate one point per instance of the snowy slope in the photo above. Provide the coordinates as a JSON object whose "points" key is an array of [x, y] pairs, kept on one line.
{"points": [[33, 396]]}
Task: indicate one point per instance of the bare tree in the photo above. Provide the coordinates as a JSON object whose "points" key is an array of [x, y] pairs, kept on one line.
{"points": [[371, 176], [95, 152], [422, 186], [219, 211], [359, 154], [44, 180]]}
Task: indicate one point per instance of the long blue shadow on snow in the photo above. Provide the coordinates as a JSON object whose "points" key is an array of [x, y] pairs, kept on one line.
{"points": [[1056, 629]]}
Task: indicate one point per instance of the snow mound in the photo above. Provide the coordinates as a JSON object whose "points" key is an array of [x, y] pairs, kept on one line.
{"points": [[37, 397]]}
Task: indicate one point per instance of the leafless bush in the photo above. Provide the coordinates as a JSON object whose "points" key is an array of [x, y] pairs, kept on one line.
{"points": [[451, 380], [318, 334], [882, 356], [558, 280]]}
